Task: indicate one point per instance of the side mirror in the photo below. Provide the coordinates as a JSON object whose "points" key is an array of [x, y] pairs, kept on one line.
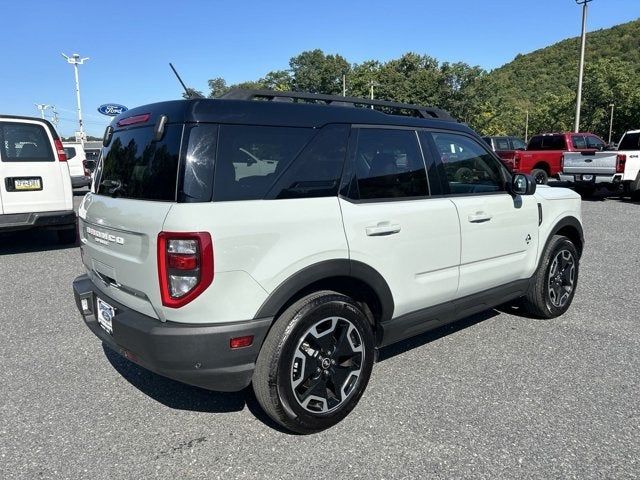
{"points": [[522, 184]]}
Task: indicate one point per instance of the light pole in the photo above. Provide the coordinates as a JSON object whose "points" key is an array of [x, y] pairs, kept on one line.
{"points": [[612, 105], [42, 107], [526, 128], [75, 60], [585, 6]]}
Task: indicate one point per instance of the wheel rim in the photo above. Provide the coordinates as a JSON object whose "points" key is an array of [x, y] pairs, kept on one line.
{"points": [[539, 178], [327, 364], [561, 279]]}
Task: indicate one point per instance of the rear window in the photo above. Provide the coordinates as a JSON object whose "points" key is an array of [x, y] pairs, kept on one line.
{"points": [[547, 142], [70, 151], [24, 142], [631, 141], [135, 166]]}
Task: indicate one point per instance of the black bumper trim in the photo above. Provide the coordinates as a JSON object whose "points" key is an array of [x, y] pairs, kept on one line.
{"points": [[22, 221], [195, 354]]}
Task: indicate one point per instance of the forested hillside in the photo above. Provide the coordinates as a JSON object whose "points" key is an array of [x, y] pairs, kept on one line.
{"points": [[542, 82]]}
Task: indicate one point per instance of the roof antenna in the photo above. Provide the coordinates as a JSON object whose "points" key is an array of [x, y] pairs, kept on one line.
{"points": [[190, 94]]}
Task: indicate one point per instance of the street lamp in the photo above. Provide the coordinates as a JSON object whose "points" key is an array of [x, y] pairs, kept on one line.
{"points": [[585, 7], [612, 105], [75, 60], [42, 107]]}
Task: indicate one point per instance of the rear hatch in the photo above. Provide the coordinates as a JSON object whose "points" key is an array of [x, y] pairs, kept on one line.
{"points": [[590, 162], [135, 187]]}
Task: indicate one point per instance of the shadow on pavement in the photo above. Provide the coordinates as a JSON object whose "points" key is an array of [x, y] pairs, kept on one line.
{"points": [[26, 241]]}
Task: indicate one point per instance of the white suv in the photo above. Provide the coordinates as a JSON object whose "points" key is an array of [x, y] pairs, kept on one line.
{"points": [[35, 189], [280, 243]]}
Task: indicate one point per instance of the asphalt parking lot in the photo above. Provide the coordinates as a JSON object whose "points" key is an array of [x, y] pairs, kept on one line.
{"points": [[493, 396]]}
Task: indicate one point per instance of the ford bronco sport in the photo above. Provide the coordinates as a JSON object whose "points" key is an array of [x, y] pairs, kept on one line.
{"points": [[281, 242]]}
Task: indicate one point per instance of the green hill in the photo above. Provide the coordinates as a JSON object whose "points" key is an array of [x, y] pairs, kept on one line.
{"points": [[545, 82]]}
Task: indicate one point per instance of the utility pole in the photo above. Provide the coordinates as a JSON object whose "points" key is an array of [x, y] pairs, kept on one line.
{"points": [[585, 7], [613, 105], [344, 85], [75, 60], [42, 107], [526, 128]]}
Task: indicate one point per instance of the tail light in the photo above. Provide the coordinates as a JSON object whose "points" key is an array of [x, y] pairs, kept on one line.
{"points": [[62, 156], [185, 266], [621, 160]]}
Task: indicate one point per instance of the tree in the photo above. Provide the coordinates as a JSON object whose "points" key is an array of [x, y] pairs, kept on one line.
{"points": [[313, 71]]}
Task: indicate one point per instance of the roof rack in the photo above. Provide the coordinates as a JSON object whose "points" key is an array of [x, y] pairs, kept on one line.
{"points": [[392, 108]]}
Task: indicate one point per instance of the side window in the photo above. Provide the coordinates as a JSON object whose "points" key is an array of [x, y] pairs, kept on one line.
{"points": [[578, 142], [389, 164], [594, 142], [24, 142], [316, 171], [70, 151], [199, 161], [469, 168], [502, 144], [518, 144], [250, 158]]}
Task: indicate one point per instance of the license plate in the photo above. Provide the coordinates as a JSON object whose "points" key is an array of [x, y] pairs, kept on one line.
{"points": [[105, 316], [27, 184], [587, 178]]}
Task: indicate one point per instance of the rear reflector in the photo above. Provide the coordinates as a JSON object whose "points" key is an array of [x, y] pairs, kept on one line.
{"points": [[185, 266], [62, 156], [621, 161], [143, 118], [241, 342]]}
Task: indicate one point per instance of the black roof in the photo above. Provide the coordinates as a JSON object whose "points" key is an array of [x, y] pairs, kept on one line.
{"points": [[291, 113]]}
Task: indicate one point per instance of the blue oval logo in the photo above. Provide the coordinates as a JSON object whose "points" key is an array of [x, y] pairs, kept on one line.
{"points": [[112, 109]]}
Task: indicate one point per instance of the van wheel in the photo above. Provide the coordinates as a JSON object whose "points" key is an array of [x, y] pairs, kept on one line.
{"points": [[68, 235], [315, 362], [540, 176], [555, 281]]}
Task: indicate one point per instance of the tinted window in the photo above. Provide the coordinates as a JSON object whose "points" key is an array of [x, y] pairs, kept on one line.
{"points": [[316, 171], [579, 142], [502, 144], [70, 151], [199, 161], [135, 166], [547, 142], [389, 164], [24, 142], [518, 144], [631, 141], [250, 159], [488, 141], [595, 142], [92, 155], [468, 167]]}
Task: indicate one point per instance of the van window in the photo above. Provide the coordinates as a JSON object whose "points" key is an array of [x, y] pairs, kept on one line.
{"points": [[250, 158], [316, 171], [136, 166], [70, 151], [24, 142], [389, 164]]}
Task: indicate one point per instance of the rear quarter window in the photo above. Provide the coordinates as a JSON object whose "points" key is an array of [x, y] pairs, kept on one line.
{"points": [[24, 142], [631, 141]]}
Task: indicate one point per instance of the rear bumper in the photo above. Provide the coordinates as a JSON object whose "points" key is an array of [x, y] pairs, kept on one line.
{"points": [[577, 178], [195, 354], [23, 221], [80, 181]]}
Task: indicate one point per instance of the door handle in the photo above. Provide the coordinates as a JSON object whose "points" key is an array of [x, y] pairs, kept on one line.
{"points": [[479, 217], [383, 228]]}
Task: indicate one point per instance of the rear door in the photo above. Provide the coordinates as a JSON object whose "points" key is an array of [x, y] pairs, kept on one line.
{"points": [[119, 224], [32, 178], [75, 157], [499, 232], [394, 225]]}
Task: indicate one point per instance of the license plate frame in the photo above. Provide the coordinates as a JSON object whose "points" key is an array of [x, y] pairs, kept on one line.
{"points": [[24, 184], [104, 314]]}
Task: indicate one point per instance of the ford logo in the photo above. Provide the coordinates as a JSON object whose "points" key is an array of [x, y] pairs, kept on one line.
{"points": [[112, 109]]}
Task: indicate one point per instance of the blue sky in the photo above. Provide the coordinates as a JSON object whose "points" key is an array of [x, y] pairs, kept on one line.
{"points": [[130, 43]]}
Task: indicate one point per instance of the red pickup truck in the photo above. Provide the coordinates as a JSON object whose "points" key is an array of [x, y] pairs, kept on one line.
{"points": [[543, 156]]}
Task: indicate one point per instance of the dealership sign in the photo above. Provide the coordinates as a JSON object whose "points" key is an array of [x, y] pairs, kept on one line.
{"points": [[112, 109]]}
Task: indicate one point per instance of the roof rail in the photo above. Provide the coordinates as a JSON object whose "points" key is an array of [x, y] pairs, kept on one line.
{"points": [[392, 108]]}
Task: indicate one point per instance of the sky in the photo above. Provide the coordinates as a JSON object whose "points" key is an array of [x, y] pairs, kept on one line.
{"points": [[130, 43]]}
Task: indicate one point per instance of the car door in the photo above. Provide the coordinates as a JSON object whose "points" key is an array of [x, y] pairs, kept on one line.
{"points": [[499, 232], [32, 179], [394, 224]]}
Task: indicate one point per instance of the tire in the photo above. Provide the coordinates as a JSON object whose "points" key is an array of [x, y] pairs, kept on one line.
{"points": [[585, 191], [635, 196], [330, 330], [555, 281], [67, 236], [540, 176]]}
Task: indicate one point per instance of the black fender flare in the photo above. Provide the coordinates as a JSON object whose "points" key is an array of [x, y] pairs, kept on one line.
{"points": [[569, 221], [327, 269]]}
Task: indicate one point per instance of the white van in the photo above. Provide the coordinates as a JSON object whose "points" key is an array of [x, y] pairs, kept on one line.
{"points": [[77, 161], [35, 185]]}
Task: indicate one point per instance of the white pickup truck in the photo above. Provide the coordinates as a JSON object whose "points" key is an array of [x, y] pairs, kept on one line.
{"points": [[590, 170]]}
